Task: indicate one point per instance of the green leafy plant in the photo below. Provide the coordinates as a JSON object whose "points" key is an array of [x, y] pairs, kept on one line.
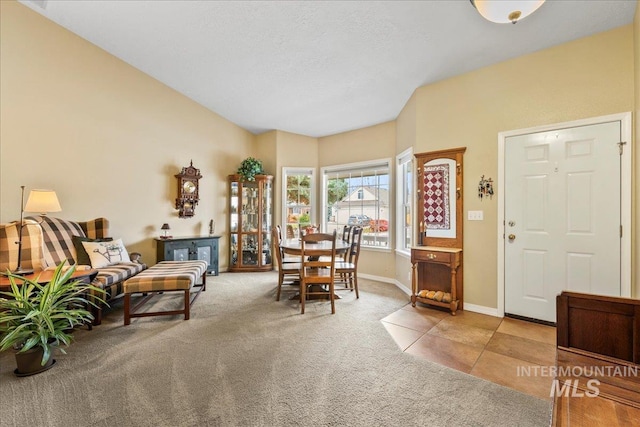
{"points": [[304, 219], [249, 168], [44, 315]]}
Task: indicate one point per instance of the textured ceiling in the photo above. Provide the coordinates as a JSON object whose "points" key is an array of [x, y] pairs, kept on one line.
{"points": [[317, 68]]}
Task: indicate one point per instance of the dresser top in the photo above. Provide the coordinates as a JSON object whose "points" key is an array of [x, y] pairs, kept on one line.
{"points": [[436, 249]]}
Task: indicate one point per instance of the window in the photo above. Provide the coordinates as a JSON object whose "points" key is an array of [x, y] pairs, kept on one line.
{"points": [[404, 200], [298, 200], [358, 194]]}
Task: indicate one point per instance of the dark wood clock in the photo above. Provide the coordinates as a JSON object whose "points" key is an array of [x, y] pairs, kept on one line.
{"points": [[188, 191]]}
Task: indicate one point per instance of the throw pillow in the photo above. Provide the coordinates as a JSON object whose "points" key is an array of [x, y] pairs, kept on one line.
{"points": [[82, 257], [103, 254]]}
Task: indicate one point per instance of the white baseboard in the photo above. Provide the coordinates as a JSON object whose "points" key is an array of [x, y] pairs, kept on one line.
{"points": [[386, 280], [481, 309], [489, 311]]}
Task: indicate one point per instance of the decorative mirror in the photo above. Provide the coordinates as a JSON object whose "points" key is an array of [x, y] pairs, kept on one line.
{"points": [[440, 180]]}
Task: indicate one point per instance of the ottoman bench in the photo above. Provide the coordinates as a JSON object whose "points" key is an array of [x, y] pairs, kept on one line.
{"points": [[166, 276]]}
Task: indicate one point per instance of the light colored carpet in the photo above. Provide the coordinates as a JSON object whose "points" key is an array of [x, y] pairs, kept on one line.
{"points": [[246, 360]]}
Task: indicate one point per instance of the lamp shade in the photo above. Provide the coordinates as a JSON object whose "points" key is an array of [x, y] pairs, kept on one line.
{"points": [[165, 226], [42, 201], [506, 11]]}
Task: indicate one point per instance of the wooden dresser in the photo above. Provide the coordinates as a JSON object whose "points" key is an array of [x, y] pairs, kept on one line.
{"points": [[598, 361], [440, 270]]}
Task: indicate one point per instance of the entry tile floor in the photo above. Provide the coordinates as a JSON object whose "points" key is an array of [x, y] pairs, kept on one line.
{"points": [[505, 351]]}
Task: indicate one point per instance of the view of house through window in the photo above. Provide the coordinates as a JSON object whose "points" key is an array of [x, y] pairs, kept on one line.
{"points": [[404, 192], [358, 194], [298, 200]]}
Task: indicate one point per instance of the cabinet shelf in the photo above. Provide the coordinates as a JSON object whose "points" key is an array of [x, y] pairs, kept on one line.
{"points": [[250, 223]]}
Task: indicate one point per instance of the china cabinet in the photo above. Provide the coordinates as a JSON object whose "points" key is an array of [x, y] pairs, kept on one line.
{"points": [[437, 260], [250, 223]]}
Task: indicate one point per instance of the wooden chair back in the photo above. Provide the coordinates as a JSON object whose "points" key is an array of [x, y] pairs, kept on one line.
{"points": [[353, 254], [318, 266]]}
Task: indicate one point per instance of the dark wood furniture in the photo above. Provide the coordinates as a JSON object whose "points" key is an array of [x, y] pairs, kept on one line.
{"points": [[347, 265], [294, 247], [437, 262], [44, 276], [250, 223], [439, 273], [163, 278], [190, 248], [318, 267], [285, 269], [598, 358]]}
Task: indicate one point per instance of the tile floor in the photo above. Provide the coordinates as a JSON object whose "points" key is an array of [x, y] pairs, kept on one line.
{"points": [[498, 350]]}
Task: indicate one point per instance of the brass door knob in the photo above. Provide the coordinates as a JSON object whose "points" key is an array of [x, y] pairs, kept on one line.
{"points": [[512, 237]]}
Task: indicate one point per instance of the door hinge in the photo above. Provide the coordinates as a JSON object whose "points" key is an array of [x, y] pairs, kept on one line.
{"points": [[621, 145], [621, 231]]}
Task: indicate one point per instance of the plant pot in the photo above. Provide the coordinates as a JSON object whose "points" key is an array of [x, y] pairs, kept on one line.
{"points": [[29, 362]]}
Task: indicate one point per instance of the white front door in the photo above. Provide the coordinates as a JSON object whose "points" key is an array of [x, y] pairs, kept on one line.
{"points": [[562, 216]]}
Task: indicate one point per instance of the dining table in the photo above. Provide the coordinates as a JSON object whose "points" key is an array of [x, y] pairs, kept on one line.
{"points": [[294, 247]]}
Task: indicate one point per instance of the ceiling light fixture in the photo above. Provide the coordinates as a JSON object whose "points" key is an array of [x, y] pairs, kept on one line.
{"points": [[505, 11]]}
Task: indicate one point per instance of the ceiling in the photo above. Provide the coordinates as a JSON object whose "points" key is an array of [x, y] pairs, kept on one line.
{"points": [[317, 68]]}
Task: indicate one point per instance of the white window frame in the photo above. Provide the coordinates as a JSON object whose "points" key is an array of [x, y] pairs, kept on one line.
{"points": [[370, 164], [288, 171], [404, 164]]}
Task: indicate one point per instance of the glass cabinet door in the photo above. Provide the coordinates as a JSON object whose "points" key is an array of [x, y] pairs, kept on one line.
{"points": [[233, 245], [249, 207], [233, 211], [250, 223]]}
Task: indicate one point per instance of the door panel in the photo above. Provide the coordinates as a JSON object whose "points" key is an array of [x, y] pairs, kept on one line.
{"points": [[562, 216]]}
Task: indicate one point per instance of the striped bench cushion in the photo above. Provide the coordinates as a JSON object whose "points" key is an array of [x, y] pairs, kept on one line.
{"points": [[166, 276]]}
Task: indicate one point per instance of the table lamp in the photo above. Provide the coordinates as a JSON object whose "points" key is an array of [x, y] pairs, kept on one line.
{"points": [[165, 227], [41, 201]]}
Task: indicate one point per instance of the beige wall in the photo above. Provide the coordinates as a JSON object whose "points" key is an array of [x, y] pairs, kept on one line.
{"points": [[107, 137], [371, 143], [589, 77]]}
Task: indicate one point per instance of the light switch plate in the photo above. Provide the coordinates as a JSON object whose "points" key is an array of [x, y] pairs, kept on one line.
{"points": [[475, 215]]}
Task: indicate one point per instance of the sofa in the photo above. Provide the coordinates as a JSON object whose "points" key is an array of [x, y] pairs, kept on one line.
{"points": [[48, 241]]}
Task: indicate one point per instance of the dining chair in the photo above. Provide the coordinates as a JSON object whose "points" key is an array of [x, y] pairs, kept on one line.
{"points": [[347, 269], [346, 233], [290, 234], [285, 269], [285, 257], [318, 267]]}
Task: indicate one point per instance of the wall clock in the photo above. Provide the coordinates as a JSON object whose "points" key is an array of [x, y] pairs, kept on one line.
{"points": [[188, 189]]}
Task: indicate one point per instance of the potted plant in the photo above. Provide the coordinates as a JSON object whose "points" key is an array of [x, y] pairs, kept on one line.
{"points": [[35, 318], [249, 168]]}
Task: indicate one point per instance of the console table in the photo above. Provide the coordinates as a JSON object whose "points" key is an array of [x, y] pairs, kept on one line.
{"points": [[440, 271], [190, 248]]}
